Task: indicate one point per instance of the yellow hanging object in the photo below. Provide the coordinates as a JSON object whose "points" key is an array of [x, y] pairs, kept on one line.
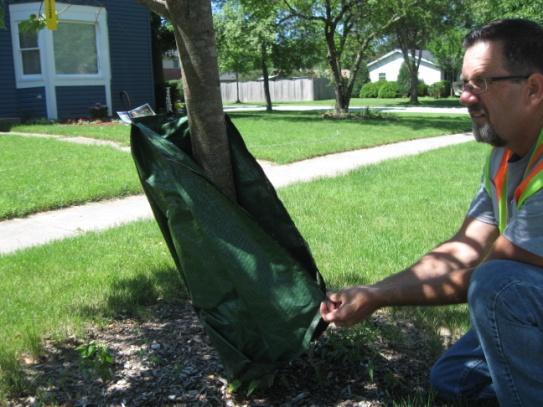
{"points": [[50, 14]]}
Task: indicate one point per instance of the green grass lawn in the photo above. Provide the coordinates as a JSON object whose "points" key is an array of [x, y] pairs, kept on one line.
{"points": [[380, 219], [113, 132], [361, 227], [424, 101], [40, 174], [57, 289], [285, 137]]}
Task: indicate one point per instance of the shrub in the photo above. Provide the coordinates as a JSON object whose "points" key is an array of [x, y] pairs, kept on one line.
{"points": [[388, 90], [422, 88], [98, 111], [404, 81], [371, 89], [361, 79], [176, 89], [440, 89]]}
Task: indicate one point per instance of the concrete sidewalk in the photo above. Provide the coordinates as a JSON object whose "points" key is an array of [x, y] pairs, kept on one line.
{"points": [[384, 109], [44, 227]]}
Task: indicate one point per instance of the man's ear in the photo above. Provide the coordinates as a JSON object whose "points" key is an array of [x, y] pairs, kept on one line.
{"points": [[535, 89]]}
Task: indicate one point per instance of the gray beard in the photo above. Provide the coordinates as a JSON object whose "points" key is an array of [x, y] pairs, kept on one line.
{"points": [[486, 134]]}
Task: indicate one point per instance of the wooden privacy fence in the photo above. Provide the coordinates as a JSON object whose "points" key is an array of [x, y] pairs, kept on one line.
{"points": [[281, 90]]}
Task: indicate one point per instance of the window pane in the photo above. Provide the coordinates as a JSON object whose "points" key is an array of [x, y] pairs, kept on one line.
{"points": [[31, 62], [75, 48], [28, 39]]}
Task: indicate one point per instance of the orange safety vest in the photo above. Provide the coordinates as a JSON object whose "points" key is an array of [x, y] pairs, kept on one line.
{"points": [[496, 184]]}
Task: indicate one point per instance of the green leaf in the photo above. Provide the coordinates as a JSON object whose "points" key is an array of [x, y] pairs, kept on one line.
{"points": [[234, 386]]}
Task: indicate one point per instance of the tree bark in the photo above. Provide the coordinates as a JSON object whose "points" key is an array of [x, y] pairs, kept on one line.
{"points": [[195, 38], [266, 77], [237, 88], [413, 97], [342, 99]]}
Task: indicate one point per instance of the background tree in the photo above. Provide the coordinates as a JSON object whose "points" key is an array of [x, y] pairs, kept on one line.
{"points": [[448, 50], [253, 44], [347, 24], [194, 35], [404, 80], [422, 21], [297, 46], [484, 11], [235, 50], [259, 35], [263, 25]]}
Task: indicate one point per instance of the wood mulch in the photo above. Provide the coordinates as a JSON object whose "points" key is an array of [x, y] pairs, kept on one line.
{"points": [[166, 359]]}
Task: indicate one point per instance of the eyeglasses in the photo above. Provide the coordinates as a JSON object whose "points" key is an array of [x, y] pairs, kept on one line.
{"points": [[480, 84]]}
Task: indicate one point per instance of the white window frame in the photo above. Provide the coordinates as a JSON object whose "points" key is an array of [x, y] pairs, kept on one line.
{"points": [[21, 50], [48, 77]]}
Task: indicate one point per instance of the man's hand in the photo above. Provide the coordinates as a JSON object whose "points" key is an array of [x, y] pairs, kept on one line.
{"points": [[350, 305]]}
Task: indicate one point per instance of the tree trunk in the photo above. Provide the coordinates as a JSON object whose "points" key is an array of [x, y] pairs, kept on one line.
{"points": [[342, 98], [237, 88], [194, 35], [413, 97], [265, 75]]}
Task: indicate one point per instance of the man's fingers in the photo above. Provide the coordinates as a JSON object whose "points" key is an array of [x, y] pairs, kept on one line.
{"points": [[334, 297]]}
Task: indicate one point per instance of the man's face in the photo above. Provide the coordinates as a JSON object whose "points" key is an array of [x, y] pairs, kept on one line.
{"points": [[493, 112]]}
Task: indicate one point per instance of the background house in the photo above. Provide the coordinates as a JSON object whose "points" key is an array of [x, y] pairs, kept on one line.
{"points": [[388, 67], [100, 50]]}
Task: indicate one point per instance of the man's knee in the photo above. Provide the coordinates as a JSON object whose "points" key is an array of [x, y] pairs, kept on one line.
{"points": [[506, 288], [488, 279]]}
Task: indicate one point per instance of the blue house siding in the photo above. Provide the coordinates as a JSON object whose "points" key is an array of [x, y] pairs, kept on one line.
{"points": [[75, 101], [31, 103], [8, 98], [129, 35], [130, 49]]}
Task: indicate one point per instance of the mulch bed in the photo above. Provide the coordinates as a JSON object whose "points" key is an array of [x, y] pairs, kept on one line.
{"points": [[91, 122], [166, 359]]}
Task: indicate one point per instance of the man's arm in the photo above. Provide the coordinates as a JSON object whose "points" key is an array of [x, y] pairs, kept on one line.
{"points": [[439, 277], [503, 249]]}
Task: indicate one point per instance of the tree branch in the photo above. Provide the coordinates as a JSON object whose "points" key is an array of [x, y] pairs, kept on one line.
{"points": [[385, 27], [158, 6], [296, 13], [344, 35]]}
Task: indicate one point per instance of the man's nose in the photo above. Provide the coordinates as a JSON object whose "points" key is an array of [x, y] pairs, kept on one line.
{"points": [[468, 98]]}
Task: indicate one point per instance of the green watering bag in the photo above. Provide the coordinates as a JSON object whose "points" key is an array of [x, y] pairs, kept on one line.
{"points": [[251, 277]]}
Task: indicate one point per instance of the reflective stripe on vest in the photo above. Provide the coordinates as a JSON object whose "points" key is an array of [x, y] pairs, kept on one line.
{"points": [[532, 180]]}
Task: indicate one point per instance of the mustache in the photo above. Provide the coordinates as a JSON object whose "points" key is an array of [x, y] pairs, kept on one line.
{"points": [[476, 109]]}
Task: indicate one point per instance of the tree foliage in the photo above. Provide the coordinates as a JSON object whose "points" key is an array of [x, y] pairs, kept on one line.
{"points": [[404, 80], [422, 21], [234, 43], [350, 28], [484, 11], [448, 50], [258, 35]]}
